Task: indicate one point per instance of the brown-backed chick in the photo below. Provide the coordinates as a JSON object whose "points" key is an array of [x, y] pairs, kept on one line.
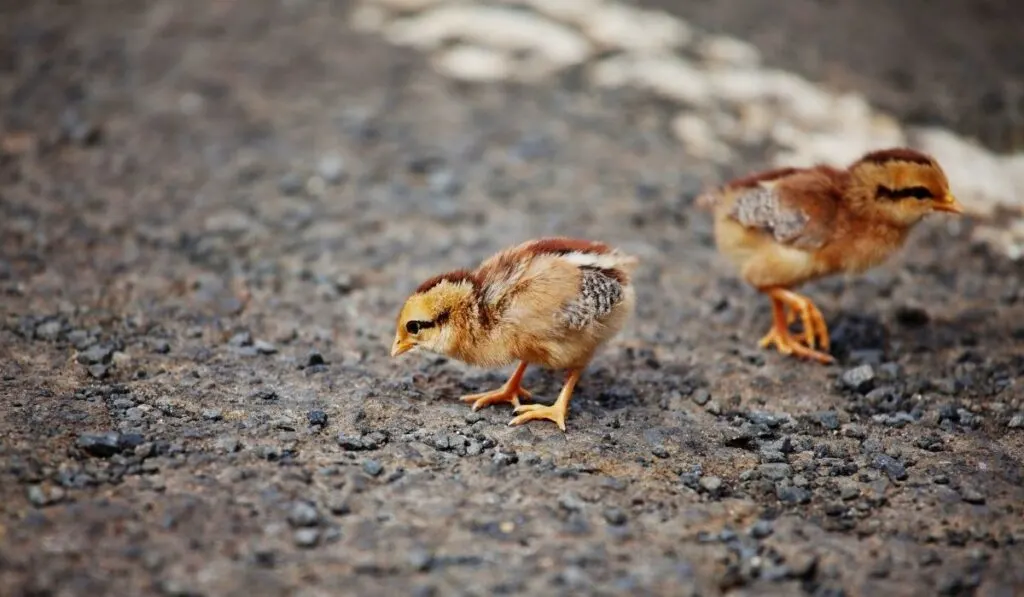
{"points": [[550, 302], [784, 227]]}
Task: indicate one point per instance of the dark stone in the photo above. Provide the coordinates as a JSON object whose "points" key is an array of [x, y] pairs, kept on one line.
{"points": [[890, 466], [829, 420], [793, 495], [101, 445], [317, 417], [761, 529], [265, 394], [315, 359], [911, 316]]}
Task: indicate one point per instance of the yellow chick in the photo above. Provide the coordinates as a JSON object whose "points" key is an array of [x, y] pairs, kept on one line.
{"points": [[550, 302], [782, 228]]}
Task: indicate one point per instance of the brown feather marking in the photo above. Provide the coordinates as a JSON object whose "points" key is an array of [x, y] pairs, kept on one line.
{"points": [[897, 154], [711, 197], [455, 277], [757, 178], [561, 246], [616, 274]]}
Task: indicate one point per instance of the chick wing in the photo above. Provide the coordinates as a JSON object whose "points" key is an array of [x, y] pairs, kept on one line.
{"points": [[797, 210], [600, 290]]}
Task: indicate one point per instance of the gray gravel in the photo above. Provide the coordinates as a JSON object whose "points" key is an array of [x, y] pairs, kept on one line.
{"points": [[200, 277]]}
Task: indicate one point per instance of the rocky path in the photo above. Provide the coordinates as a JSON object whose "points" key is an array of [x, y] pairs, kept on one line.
{"points": [[210, 213]]}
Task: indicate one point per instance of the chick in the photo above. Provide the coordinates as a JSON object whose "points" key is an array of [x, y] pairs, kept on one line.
{"points": [[784, 227], [550, 302]]}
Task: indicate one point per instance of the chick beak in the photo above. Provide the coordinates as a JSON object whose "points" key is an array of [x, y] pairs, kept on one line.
{"points": [[402, 346], [949, 204]]}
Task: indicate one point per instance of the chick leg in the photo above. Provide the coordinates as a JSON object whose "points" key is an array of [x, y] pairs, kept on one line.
{"points": [[510, 392], [557, 411], [781, 338], [815, 328]]}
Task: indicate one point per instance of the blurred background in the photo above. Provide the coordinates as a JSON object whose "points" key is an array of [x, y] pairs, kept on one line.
{"points": [[949, 63]]}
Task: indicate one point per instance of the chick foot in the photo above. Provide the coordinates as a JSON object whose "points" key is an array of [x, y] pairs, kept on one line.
{"points": [[814, 327], [502, 394], [786, 343], [556, 412], [510, 392]]}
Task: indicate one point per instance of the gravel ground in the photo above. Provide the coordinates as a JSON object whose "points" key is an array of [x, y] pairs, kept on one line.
{"points": [[209, 219], [930, 62]]}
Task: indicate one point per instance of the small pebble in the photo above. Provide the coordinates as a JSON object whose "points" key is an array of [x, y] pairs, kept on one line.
{"points": [[829, 420], [101, 445], [775, 471], [859, 379], [570, 502], [331, 168], [241, 339], [291, 184], [420, 560], [317, 417], [504, 457], [890, 466], [228, 444], [307, 537], [711, 484], [303, 514], [615, 516], [971, 495], [213, 414], [265, 395], [314, 359], [373, 468], [793, 495], [761, 529], [339, 506], [96, 355]]}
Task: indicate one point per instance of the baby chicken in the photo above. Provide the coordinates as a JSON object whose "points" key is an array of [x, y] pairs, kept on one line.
{"points": [[784, 227], [550, 302]]}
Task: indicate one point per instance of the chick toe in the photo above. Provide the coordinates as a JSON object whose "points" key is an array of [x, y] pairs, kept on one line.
{"points": [[502, 394], [780, 337], [787, 344], [556, 412], [534, 412], [815, 329], [511, 392]]}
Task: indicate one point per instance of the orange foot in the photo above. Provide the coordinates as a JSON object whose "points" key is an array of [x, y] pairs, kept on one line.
{"points": [[815, 328], [556, 412], [510, 392]]}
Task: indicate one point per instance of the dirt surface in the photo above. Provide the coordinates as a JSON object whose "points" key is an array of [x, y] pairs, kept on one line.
{"points": [[929, 62], [210, 214]]}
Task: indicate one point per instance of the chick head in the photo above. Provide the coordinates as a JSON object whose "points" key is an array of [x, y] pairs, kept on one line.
{"points": [[430, 318], [902, 186]]}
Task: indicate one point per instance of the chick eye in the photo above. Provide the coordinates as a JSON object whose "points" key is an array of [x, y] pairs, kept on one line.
{"points": [[919, 193], [414, 327]]}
